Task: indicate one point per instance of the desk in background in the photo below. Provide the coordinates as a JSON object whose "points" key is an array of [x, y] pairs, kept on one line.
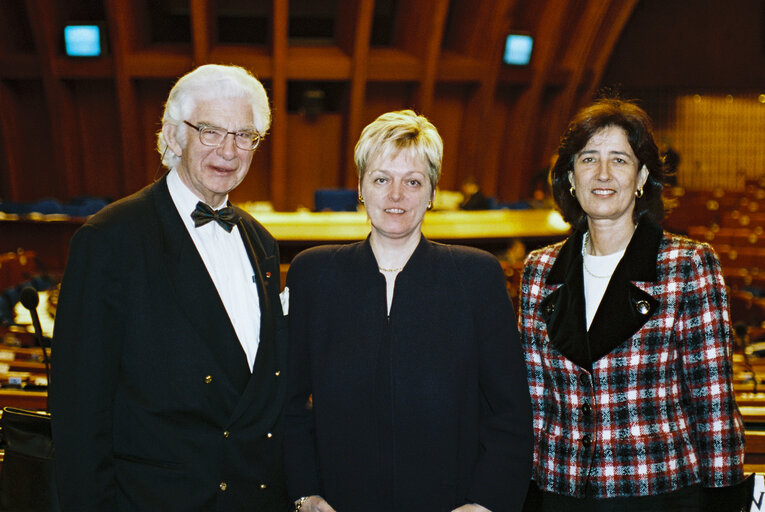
{"points": [[493, 230]]}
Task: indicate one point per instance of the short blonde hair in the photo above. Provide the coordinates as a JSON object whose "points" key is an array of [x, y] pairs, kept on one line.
{"points": [[396, 131]]}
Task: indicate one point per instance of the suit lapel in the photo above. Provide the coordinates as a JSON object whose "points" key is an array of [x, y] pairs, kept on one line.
{"points": [[624, 309], [194, 288], [563, 309], [258, 391]]}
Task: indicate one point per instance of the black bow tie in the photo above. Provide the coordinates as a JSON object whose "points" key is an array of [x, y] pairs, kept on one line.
{"points": [[225, 217]]}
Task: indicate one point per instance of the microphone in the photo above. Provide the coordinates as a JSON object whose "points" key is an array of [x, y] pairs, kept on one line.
{"points": [[30, 300]]}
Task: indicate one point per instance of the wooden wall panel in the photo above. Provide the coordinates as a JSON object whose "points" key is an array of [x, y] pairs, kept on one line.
{"points": [[314, 163], [448, 116], [279, 142], [15, 31], [702, 43], [203, 29], [5, 175], [440, 57], [124, 31], [66, 154], [420, 30], [609, 34], [561, 102], [469, 36], [149, 96], [353, 31], [522, 131], [100, 170], [254, 187], [495, 145], [384, 97], [10, 154], [36, 174]]}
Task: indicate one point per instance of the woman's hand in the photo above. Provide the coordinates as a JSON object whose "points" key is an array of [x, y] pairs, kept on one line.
{"points": [[471, 507], [316, 504]]}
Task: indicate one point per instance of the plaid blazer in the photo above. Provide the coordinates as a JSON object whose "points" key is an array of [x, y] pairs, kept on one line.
{"points": [[642, 403]]}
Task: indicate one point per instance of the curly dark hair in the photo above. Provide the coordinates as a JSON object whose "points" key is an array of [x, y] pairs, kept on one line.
{"points": [[586, 123]]}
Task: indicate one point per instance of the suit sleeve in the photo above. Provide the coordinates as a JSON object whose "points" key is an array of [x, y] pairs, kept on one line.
{"points": [[86, 345], [299, 440], [706, 340], [503, 472]]}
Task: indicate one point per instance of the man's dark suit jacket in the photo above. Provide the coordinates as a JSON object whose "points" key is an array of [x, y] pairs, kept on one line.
{"points": [[154, 406]]}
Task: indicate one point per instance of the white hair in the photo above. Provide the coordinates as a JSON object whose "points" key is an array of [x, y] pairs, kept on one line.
{"points": [[211, 81]]}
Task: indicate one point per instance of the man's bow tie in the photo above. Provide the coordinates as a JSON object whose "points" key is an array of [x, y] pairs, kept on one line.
{"points": [[225, 217]]}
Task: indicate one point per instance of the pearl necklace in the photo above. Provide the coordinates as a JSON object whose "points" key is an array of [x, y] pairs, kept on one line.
{"points": [[584, 261], [399, 269]]}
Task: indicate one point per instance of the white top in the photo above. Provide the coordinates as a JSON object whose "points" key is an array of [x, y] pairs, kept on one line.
{"points": [[227, 262], [595, 285]]}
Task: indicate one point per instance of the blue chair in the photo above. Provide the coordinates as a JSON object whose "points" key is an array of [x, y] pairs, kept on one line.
{"points": [[336, 199], [84, 206], [16, 208], [46, 206]]}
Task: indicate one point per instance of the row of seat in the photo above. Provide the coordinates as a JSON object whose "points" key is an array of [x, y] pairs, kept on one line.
{"points": [[745, 280], [752, 407], [717, 207], [80, 207], [733, 222], [733, 256], [732, 236]]}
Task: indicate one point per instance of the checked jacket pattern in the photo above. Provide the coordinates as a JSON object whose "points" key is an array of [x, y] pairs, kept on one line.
{"points": [[643, 403]]}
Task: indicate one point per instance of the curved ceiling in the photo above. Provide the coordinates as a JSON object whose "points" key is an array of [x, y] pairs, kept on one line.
{"points": [[71, 127]]}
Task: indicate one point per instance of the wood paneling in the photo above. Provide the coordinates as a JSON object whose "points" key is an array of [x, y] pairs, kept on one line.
{"points": [[96, 108], [315, 165], [145, 122], [684, 43], [449, 106], [440, 57], [698, 68], [29, 143]]}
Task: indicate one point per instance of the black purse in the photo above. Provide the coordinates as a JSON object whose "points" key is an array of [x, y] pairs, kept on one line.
{"points": [[27, 482]]}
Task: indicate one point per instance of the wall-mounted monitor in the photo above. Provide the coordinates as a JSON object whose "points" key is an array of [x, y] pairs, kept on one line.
{"points": [[83, 41], [518, 49]]}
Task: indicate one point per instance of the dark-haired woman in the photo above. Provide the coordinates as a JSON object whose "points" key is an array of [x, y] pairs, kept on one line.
{"points": [[627, 339]]}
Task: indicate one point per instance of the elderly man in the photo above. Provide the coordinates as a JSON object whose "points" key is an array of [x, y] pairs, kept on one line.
{"points": [[169, 339]]}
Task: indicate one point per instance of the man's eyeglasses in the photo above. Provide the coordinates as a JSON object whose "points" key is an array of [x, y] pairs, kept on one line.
{"points": [[214, 136]]}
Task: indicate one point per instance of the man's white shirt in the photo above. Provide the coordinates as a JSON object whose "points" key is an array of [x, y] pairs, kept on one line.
{"points": [[226, 259]]}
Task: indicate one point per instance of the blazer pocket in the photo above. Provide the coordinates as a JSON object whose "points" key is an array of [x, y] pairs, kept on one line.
{"points": [[148, 462]]}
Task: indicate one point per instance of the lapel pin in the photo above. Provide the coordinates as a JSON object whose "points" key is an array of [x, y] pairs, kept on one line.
{"points": [[268, 275], [643, 307]]}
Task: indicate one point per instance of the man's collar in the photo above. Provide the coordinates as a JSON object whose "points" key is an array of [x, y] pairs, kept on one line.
{"points": [[183, 197]]}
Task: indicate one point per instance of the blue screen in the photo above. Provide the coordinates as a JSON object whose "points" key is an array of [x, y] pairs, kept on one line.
{"points": [[518, 49], [82, 40]]}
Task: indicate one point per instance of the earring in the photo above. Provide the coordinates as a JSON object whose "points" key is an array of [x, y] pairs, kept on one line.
{"points": [[572, 191], [361, 199], [639, 193], [430, 205]]}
